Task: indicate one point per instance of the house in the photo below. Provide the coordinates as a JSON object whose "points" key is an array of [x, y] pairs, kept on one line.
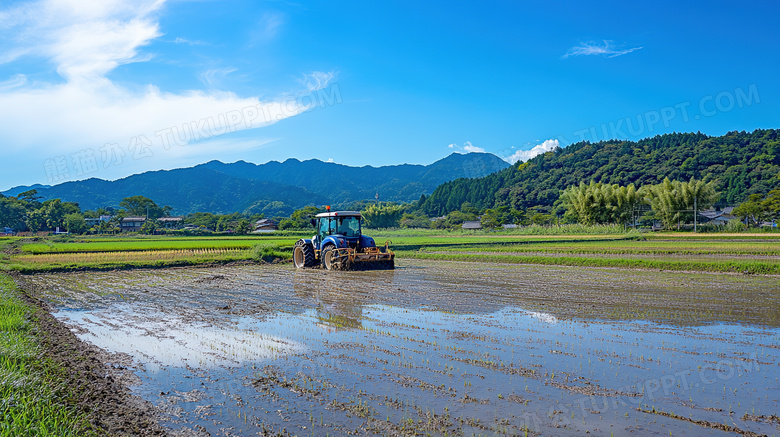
{"points": [[714, 217], [91, 221], [6, 232], [265, 225], [472, 225], [509, 226], [132, 224], [171, 222]]}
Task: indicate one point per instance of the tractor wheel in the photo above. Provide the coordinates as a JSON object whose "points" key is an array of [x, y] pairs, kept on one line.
{"points": [[327, 258], [303, 255]]}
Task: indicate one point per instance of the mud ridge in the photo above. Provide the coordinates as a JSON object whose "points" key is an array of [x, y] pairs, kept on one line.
{"points": [[96, 380], [704, 423]]}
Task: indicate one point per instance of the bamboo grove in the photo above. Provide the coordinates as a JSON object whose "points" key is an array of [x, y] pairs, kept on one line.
{"points": [[671, 202]]}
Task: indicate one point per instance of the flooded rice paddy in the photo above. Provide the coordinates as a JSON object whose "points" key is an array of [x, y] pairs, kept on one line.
{"points": [[441, 348]]}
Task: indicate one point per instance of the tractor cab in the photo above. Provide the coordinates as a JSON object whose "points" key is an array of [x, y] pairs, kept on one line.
{"points": [[343, 229], [338, 224]]}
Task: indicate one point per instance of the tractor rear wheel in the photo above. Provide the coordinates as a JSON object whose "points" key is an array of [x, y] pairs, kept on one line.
{"points": [[327, 257], [303, 255]]}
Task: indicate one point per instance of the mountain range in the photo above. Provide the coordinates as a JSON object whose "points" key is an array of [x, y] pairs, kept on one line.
{"points": [[273, 188]]}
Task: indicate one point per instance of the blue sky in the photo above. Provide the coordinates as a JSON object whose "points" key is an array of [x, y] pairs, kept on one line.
{"points": [[110, 88]]}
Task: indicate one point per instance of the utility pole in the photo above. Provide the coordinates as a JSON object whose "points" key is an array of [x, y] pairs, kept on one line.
{"points": [[695, 213]]}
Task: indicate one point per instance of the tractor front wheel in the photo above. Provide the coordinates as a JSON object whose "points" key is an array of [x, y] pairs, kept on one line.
{"points": [[303, 255], [327, 257]]}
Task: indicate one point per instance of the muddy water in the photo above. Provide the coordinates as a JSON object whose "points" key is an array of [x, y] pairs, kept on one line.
{"points": [[442, 348]]}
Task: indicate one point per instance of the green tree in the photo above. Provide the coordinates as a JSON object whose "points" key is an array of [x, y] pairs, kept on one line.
{"points": [[752, 211], [222, 224], [383, 215], [204, 219], [12, 212], [698, 195], [772, 204], [491, 219], [300, 219], [35, 220], [541, 219], [673, 201], [416, 219], [139, 206], [30, 196], [75, 223], [582, 202], [243, 226], [54, 213], [71, 208], [457, 218], [105, 227], [468, 208], [149, 227]]}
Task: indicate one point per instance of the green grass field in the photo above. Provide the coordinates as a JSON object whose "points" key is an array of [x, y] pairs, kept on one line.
{"points": [[31, 402], [147, 244], [736, 253]]}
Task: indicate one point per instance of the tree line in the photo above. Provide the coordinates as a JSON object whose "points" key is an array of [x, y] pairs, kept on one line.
{"points": [[26, 212]]}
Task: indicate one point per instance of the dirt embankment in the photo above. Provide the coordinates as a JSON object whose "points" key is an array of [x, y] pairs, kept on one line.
{"points": [[96, 381]]}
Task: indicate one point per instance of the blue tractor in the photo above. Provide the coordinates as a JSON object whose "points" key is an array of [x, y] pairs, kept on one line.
{"points": [[340, 245]]}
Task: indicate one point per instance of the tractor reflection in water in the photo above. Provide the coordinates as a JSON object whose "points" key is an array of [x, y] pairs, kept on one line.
{"points": [[336, 308]]}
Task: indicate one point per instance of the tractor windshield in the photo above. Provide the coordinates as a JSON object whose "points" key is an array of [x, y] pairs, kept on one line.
{"points": [[349, 226]]}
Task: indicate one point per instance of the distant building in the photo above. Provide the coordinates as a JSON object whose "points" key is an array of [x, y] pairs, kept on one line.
{"points": [[714, 217], [6, 232], [96, 221], [472, 225], [171, 222], [265, 225], [509, 226], [132, 224]]}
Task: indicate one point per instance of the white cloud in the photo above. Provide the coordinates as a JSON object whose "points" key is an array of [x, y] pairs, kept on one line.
{"points": [[605, 48], [466, 148], [180, 40], [472, 148], [267, 28], [316, 80], [85, 40], [525, 155], [213, 78], [15, 81]]}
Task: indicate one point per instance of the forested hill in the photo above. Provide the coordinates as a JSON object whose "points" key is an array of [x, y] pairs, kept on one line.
{"points": [[740, 163]]}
